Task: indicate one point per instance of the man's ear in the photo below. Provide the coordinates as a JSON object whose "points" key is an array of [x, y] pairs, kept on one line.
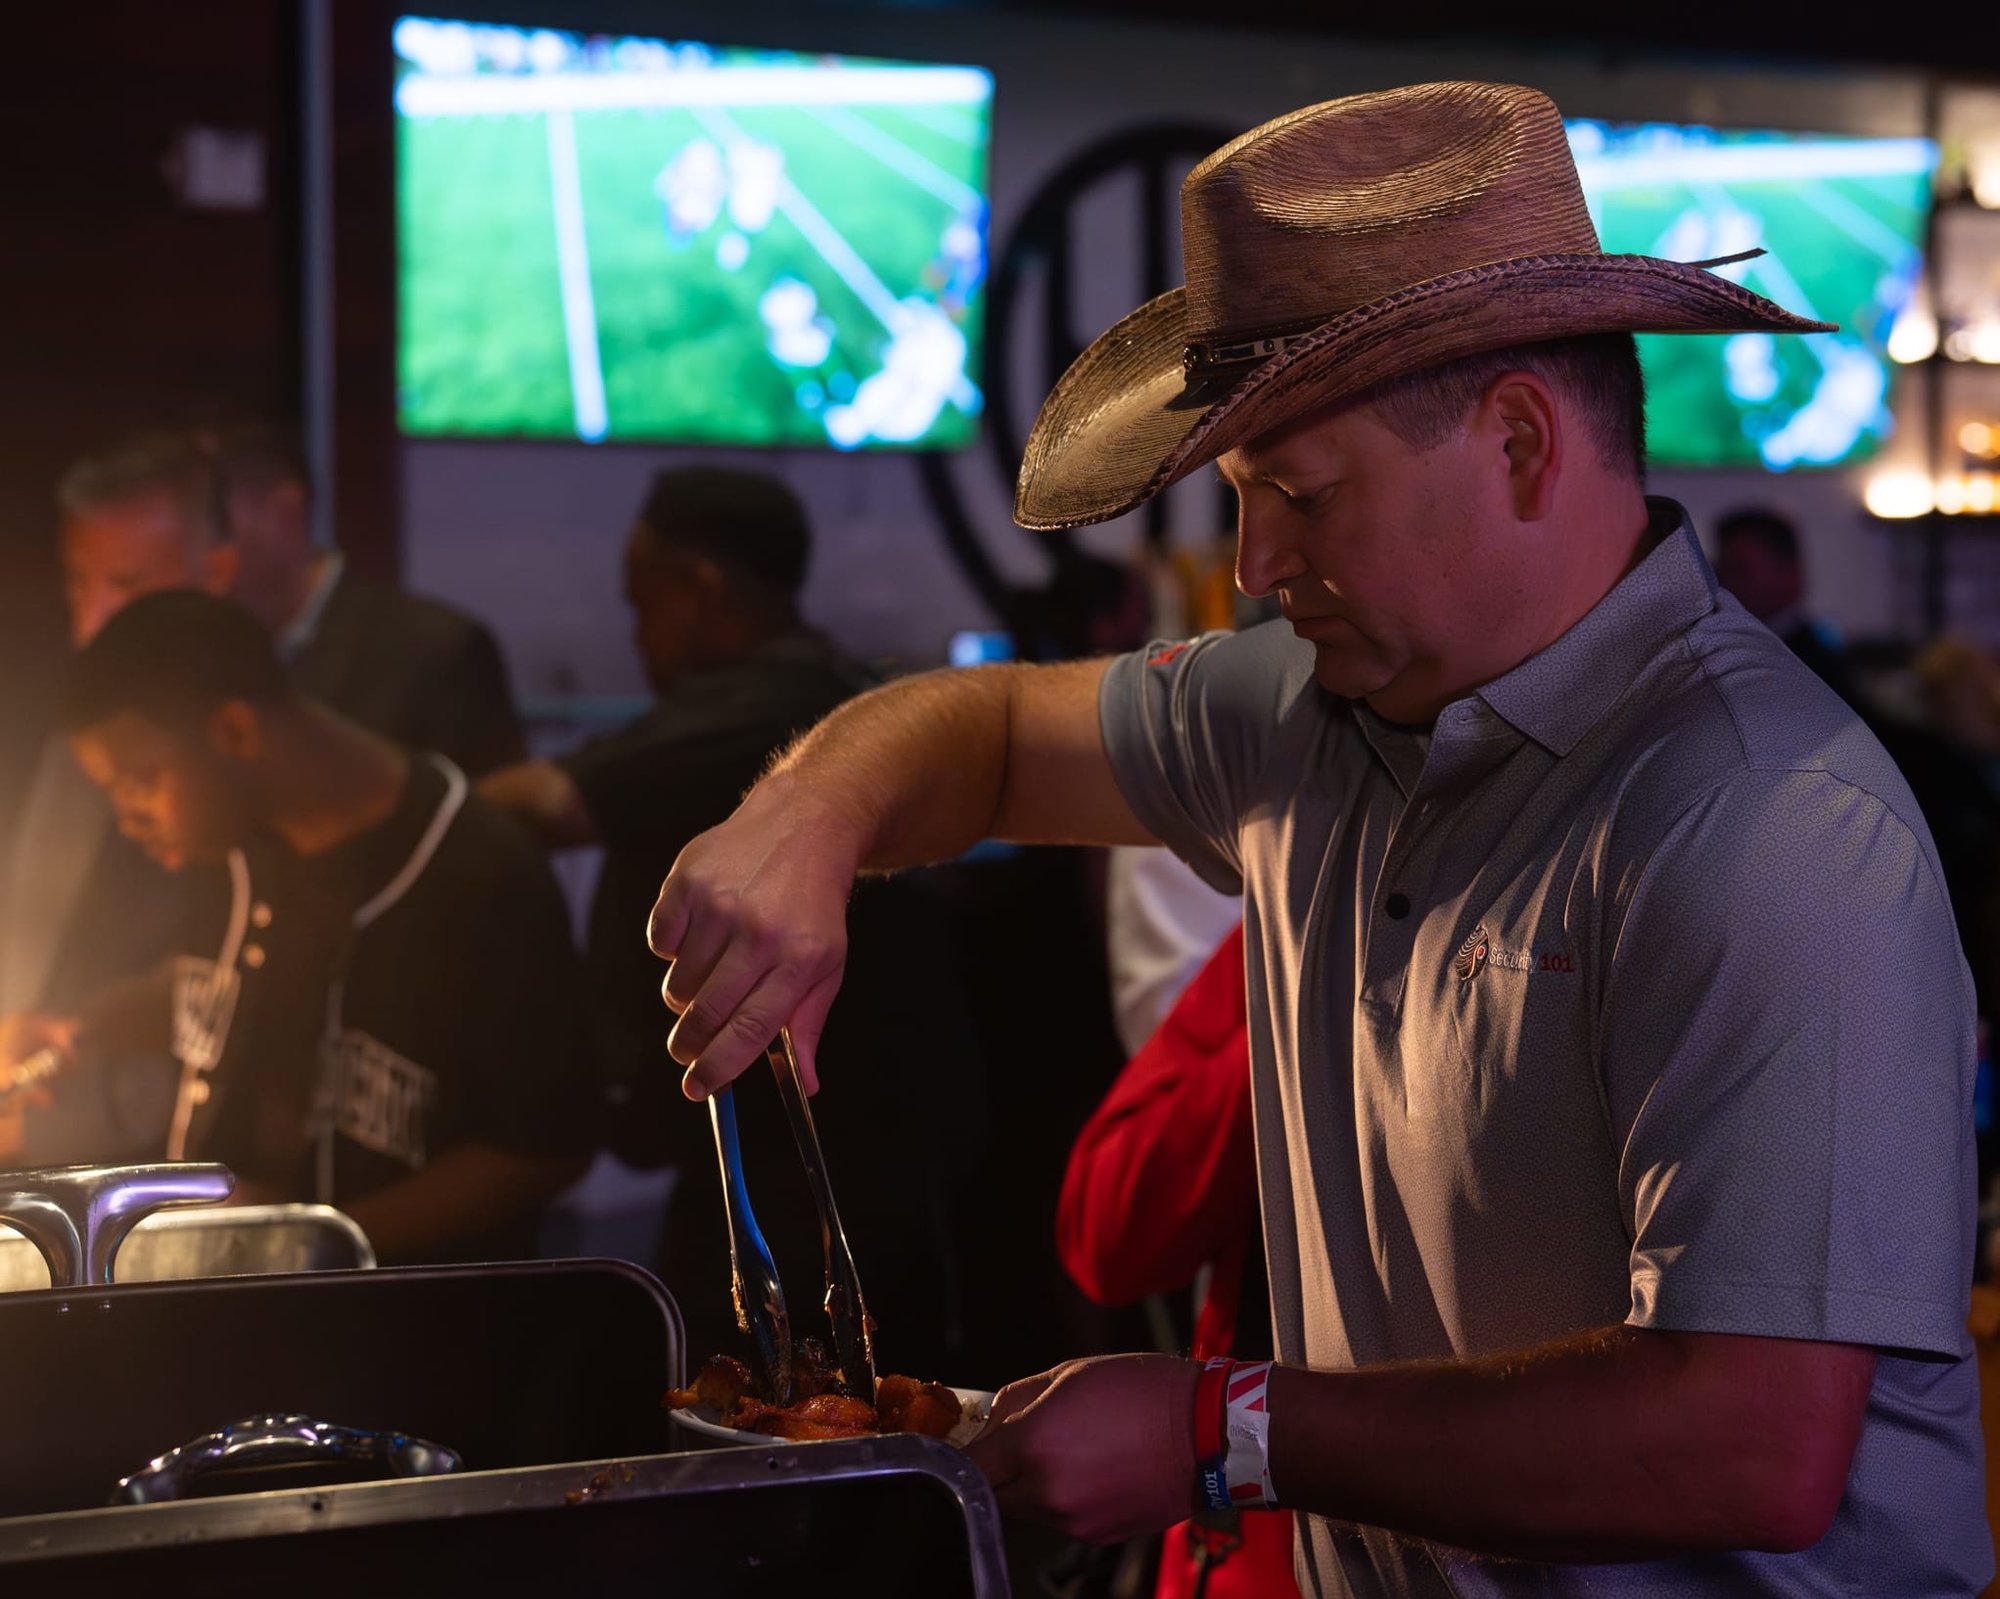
{"points": [[236, 730], [217, 568], [1531, 424]]}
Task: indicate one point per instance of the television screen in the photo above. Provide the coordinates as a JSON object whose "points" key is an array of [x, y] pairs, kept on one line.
{"points": [[1843, 222], [629, 239]]}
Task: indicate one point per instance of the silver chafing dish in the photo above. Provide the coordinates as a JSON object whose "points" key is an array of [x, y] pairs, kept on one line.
{"points": [[536, 1385]]}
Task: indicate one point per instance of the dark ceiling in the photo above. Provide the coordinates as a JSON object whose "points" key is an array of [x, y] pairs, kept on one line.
{"points": [[1957, 36]]}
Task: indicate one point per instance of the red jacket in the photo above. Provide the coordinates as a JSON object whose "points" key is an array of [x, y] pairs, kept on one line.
{"points": [[1162, 1181]]}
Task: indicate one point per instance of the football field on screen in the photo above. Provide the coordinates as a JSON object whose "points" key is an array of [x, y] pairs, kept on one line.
{"points": [[682, 316], [1841, 249]]}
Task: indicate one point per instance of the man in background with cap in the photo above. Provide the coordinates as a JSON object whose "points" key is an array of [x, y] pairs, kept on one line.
{"points": [[713, 567], [1611, 1048]]}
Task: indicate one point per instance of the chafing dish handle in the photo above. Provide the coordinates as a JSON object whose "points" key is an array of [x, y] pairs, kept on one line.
{"points": [[276, 1440], [77, 1216]]}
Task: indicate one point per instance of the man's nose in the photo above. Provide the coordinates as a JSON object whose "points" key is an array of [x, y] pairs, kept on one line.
{"points": [[1264, 557]]}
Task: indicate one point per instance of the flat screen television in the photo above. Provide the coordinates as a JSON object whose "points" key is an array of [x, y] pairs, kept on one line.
{"points": [[1843, 222], [626, 239]]}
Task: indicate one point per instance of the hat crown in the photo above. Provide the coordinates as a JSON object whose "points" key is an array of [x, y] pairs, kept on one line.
{"points": [[1341, 204]]}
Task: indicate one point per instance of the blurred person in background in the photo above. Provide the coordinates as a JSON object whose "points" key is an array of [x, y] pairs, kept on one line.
{"points": [[373, 1002], [221, 513], [410, 668], [1757, 559], [713, 565], [1960, 684]]}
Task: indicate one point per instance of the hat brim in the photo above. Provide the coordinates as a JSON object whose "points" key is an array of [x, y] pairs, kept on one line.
{"points": [[1121, 426]]}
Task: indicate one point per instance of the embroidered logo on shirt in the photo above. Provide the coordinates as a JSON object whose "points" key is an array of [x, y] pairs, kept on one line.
{"points": [[1167, 656], [203, 1004], [1480, 951], [1472, 954], [384, 1099]]}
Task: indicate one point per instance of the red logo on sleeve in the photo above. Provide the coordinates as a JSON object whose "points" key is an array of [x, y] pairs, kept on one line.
{"points": [[1168, 654]]}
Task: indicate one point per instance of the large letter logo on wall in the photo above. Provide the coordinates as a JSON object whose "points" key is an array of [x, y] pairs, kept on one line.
{"points": [[1041, 242]]}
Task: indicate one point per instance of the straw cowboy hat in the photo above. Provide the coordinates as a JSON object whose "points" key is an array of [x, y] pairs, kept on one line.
{"points": [[1339, 246]]}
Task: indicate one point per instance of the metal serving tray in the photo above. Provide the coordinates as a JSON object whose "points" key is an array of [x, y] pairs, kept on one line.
{"points": [[895, 1515], [246, 1240], [509, 1365]]}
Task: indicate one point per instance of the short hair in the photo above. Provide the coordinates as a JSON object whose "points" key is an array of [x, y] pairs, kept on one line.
{"points": [[200, 467], [166, 461], [1599, 373], [173, 658], [1770, 530], [751, 521]]}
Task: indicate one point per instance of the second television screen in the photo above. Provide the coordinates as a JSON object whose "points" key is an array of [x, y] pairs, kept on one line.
{"points": [[630, 239]]}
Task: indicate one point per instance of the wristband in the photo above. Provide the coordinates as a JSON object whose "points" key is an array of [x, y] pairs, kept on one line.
{"points": [[1211, 1401], [1247, 1436]]}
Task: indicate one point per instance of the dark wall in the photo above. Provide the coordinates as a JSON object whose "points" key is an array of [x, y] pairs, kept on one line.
{"points": [[122, 306]]}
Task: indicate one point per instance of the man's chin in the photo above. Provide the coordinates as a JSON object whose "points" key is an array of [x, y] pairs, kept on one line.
{"points": [[1351, 677]]}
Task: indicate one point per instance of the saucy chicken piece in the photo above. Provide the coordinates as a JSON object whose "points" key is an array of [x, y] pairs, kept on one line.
{"points": [[906, 1405], [721, 1383], [821, 1416]]}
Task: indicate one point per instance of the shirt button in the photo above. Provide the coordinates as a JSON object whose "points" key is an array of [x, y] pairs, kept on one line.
{"points": [[1396, 906], [253, 956], [260, 915]]}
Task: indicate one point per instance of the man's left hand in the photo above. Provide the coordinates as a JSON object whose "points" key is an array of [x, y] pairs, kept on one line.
{"points": [[1100, 1449]]}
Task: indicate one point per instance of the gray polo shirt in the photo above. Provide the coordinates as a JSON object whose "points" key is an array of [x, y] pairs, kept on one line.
{"points": [[1627, 993]]}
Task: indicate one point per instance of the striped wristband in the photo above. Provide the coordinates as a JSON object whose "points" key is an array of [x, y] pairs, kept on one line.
{"points": [[1247, 1436]]}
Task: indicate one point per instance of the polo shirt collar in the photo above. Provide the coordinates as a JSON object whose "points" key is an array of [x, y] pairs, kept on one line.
{"points": [[1556, 697]]}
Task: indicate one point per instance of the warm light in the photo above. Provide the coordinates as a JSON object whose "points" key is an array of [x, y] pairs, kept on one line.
{"points": [[1986, 343], [1983, 162], [1951, 497], [1979, 495], [1958, 344], [1976, 438], [1899, 494], [1913, 336]]}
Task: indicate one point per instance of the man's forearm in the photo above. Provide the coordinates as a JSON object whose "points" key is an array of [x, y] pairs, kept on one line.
{"points": [[913, 769], [922, 769], [1616, 1445]]}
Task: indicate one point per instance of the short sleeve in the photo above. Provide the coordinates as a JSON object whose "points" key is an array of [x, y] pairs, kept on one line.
{"points": [[1188, 728], [1787, 1048]]}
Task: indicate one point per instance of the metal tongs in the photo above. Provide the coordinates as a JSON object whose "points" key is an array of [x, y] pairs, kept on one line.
{"points": [[853, 1332], [753, 1275], [759, 1296]]}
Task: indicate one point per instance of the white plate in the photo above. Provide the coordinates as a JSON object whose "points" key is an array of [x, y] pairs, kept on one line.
{"points": [[703, 1419]]}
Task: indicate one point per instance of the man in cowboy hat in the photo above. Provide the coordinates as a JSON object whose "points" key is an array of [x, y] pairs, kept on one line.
{"points": [[1612, 1050]]}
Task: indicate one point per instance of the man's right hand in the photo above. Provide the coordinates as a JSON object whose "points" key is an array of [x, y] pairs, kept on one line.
{"points": [[27, 1033], [753, 918], [22, 1035]]}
